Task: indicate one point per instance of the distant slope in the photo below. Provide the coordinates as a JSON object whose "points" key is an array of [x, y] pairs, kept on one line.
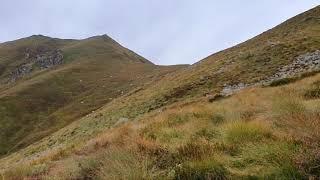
{"points": [[250, 62], [47, 83]]}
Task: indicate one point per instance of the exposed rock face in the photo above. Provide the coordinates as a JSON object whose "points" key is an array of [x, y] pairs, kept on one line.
{"points": [[39, 59], [49, 60], [230, 89], [305, 63], [21, 71]]}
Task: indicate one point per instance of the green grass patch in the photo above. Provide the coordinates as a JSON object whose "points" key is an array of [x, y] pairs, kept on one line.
{"points": [[169, 135], [164, 135], [288, 106], [242, 132], [276, 158], [208, 134], [178, 119]]}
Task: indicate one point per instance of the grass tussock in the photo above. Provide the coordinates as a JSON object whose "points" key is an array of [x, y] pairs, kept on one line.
{"points": [[274, 157], [313, 92], [207, 169], [242, 132]]}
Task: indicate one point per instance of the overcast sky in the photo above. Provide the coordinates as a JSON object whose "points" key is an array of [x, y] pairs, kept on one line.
{"points": [[163, 31]]}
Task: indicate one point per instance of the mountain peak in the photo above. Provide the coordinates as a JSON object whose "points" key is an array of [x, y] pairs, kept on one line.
{"points": [[39, 36]]}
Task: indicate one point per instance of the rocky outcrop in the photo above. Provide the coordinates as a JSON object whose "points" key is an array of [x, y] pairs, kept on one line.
{"points": [[39, 59], [20, 71], [50, 59], [231, 89], [305, 63]]}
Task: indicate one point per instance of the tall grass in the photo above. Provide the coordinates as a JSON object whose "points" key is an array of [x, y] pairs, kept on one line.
{"points": [[26, 171], [122, 164], [207, 169], [265, 133], [242, 132], [313, 92]]}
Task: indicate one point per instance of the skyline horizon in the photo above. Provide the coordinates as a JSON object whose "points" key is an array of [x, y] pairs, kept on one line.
{"points": [[175, 50]]}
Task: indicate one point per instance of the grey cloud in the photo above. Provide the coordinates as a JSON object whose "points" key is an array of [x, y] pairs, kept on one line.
{"points": [[164, 31]]}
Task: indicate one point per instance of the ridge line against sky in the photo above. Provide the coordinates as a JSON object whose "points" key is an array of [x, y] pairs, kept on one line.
{"points": [[163, 31]]}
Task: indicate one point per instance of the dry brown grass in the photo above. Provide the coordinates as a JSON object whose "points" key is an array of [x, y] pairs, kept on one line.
{"points": [[240, 136]]}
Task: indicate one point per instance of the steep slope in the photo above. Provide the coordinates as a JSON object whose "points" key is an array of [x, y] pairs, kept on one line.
{"points": [[47, 83], [279, 53], [258, 133], [255, 61]]}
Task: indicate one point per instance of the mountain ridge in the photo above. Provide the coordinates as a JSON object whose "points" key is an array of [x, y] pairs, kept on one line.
{"points": [[44, 75], [182, 127]]}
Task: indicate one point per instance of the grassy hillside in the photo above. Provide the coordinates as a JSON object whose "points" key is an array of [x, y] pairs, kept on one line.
{"points": [[175, 133], [93, 73], [246, 136]]}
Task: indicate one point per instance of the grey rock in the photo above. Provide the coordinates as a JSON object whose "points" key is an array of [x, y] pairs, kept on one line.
{"points": [[41, 58], [50, 59], [305, 63], [302, 64], [231, 89], [20, 71]]}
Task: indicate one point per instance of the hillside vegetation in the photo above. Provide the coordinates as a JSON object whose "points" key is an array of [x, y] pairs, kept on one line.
{"points": [[259, 133], [93, 72], [185, 126]]}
